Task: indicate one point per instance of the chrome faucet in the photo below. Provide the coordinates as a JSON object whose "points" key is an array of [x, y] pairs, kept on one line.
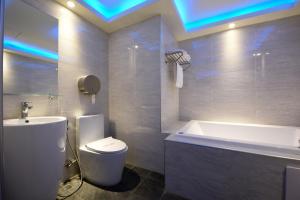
{"points": [[25, 106]]}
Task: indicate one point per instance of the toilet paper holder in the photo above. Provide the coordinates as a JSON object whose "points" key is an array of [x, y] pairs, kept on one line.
{"points": [[89, 84]]}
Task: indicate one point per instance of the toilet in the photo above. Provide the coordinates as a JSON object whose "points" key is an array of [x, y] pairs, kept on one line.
{"points": [[101, 159]]}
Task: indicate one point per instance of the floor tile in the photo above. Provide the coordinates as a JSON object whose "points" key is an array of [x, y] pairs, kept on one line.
{"points": [[136, 184], [168, 196], [156, 176], [130, 180], [87, 191], [136, 197], [141, 172], [150, 189], [129, 166]]}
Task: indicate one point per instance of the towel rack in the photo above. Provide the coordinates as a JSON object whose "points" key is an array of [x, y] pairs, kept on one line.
{"points": [[177, 57]]}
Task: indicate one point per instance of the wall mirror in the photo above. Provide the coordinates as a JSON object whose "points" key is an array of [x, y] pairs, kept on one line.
{"points": [[30, 58]]}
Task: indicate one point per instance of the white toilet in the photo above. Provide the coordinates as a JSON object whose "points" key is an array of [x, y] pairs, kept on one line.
{"points": [[102, 159]]}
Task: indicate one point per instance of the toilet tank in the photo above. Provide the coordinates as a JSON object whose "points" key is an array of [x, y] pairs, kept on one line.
{"points": [[89, 128]]}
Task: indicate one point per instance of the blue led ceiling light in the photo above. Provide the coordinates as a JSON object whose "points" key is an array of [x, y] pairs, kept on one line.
{"points": [[21, 47], [265, 6], [111, 10]]}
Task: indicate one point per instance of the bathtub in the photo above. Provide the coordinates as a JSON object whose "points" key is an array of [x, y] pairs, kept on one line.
{"points": [[217, 160], [281, 141]]}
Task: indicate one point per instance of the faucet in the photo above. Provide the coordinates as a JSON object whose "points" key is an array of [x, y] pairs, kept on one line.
{"points": [[25, 106]]}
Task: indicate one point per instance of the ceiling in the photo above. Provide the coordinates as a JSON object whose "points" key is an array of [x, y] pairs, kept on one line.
{"points": [[186, 18]]}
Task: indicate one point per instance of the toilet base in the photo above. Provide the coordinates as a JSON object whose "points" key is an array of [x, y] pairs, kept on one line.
{"points": [[103, 169]]}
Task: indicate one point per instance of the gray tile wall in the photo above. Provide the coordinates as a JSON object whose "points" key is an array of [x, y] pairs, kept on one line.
{"points": [[200, 172], [136, 102], [83, 49], [135, 94], [1, 101], [169, 93], [227, 83]]}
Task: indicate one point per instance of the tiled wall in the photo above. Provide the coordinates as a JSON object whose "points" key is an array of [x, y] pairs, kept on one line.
{"points": [[136, 101], [135, 94], [1, 106], [169, 93], [249, 75], [83, 49]]}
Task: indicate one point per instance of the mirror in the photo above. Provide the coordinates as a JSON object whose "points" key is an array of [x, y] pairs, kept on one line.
{"points": [[30, 58]]}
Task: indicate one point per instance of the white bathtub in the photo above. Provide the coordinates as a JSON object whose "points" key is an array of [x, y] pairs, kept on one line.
{"points": [[278, 141]]}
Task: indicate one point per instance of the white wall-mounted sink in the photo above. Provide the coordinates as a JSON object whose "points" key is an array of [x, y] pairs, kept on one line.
{"points": [[33, 121], [34, 154]]}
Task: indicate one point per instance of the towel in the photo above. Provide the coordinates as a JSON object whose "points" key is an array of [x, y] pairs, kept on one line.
{"points": [[186, 56], [179, 76]]}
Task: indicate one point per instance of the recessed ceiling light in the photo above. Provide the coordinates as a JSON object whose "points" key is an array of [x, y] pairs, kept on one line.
{"points": [[70, 4], [231, 25]]}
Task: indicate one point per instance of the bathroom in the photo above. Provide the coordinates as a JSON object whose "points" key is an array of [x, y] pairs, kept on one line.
{"points": [[188, 99]]}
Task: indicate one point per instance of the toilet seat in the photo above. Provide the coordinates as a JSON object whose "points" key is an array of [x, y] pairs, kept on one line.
{"points": [[107, 145]]}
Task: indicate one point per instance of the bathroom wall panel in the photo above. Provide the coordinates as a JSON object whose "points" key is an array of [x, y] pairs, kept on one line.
{"points": [[169, 93], [83, 49], [1, 99], [135, 92], [227, 83]]}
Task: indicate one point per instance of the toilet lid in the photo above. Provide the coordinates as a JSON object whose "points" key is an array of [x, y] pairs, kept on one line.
{"points": [[107, 145]]}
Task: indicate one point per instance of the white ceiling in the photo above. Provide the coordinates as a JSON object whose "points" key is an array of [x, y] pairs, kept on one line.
{"points": [[197, 9]]}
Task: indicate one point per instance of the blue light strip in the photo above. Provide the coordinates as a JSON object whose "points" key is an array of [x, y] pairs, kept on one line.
{"points": [[189, 26], [110, 13], [18, 46]]}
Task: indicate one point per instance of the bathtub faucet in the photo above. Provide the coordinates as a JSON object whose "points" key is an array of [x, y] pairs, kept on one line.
{"points": [[25, 107]]}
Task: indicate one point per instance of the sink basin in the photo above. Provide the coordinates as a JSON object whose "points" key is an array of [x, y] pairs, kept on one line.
{"points": [[34, 154], [33, 121]]}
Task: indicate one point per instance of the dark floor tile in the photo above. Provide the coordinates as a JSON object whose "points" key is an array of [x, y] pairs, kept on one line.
{"points": [[136, 197], [150, 189], [74, 197], [136, 184], [168, 196], [156, 176], [130, 180], [87, 191], [107, 195], [141, 172], [129, 166], [68, 188], [104, 195]]}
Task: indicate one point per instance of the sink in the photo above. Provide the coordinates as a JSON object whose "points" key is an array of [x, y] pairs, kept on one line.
{"points": [[34, 154], [33, 121]]}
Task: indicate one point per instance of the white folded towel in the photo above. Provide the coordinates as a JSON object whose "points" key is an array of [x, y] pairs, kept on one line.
{"points": [[186, 56], [179, 76]]}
